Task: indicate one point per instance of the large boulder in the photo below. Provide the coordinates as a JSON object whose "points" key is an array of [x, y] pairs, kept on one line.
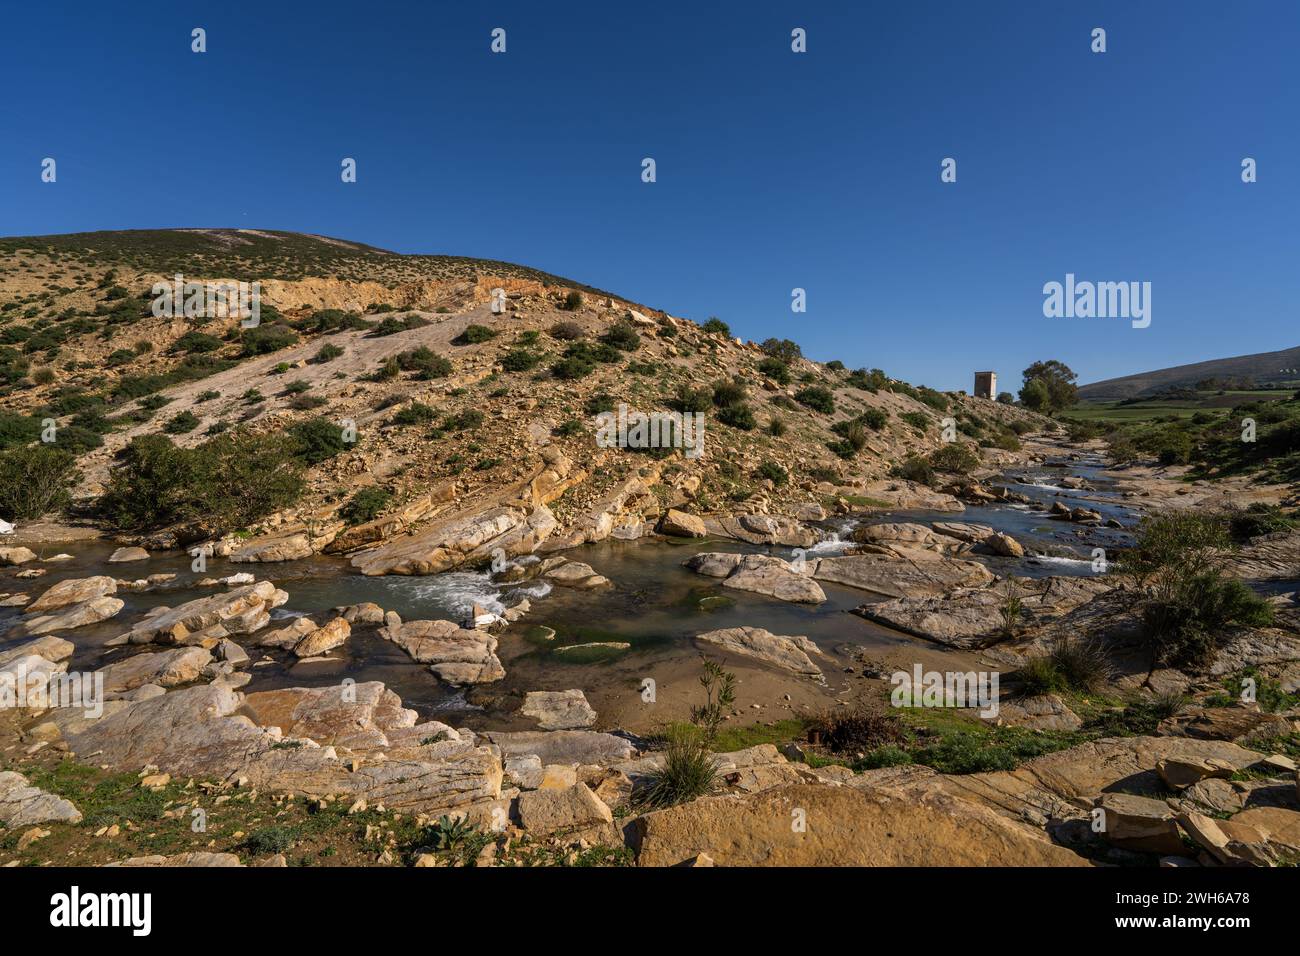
{"points": [[240, 611], [564, 746], [461, 539], [22, 805], [904, 573], [456, 654], [72, 616], [49, 647], [558, 709], [12, 557], [764, 529], [273, 548], [760, 573], [124, 555], [73, 591], [841, 826], [181, 665], [679, 524], [790, 653], [325, 638]]}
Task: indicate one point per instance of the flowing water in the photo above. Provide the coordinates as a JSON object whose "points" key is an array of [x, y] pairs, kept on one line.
{"points": [[655, 607]]}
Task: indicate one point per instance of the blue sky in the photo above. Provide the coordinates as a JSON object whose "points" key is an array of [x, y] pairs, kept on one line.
{"points": [[775, 170]]}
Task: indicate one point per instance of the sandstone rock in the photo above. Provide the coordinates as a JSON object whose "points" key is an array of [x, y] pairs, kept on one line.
{"points": [[72, 616], [1180, 774], [241, 611], [790, 653], [195, 858], [457, 655], [287, 638], [462, 539], [844, 827], [181, 665], [49, 647], [290, 547], [1043, 712], [681, 525], [122, 555], [22, 805], [905, 533], [558, 710], [905, 574], [762, 574], [563, 810], [1279, 826], [763, 529], [25, 681], [564, 746], [1139, 823], [574, 574], [74, 591], [1216, 723], [364, 613], [1004, 544], [325, 638], [230, 652], [12, 557], [973, 618]]}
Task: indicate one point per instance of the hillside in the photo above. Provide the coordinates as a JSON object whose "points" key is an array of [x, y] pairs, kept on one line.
{"points": [[1263, 368], [445, 394]]}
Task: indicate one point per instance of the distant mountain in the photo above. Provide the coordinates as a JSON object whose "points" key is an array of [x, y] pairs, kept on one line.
{"points": [[1263, 368]]}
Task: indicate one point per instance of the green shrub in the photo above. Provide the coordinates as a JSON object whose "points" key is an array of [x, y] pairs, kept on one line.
{"points": [[326, 353], [520, 360], [197, 343], [782, 350], [817, 398], [566, 331], [393, 325], [739, 416], [727, 392], [18, 429], [417, 413], [689, 770], [956, 458], [426, 363], [474, 334], [1082, 663], [776, 426], [36, 480], [716, 325], [316, 440], [775, 369], [573, 301], [915, 468], [1257, 519], [265, 339], [773, 472], [622, 336], [365, 505], [686, 399], [181, 423]]}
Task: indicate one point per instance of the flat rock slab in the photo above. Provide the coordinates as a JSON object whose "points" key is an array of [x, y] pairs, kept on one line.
{"points": [[788, 653], [182, 665], [242, 610], [555, 810], [973, 618], [328, 636], [564, 746], [74, 591], [22, 805], [49, 647], [456, 654], [449, 543], [558, 710], [760, 573], [907, 573], [122, 555], [845, 826], [69, 617], [764, 529]]}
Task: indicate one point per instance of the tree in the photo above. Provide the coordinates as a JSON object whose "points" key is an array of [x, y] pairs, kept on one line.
{"points": [[1057, 380], [1035, 396]]}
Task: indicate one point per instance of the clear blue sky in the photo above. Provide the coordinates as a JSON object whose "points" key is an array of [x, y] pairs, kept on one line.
{"points": [[775, 170]]}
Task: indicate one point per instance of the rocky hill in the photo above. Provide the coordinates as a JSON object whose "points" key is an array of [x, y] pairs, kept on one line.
{"points": [[1262, 368], [456, 407]]}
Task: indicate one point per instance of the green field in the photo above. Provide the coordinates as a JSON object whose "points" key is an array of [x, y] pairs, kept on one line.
{"points": [[1215, 402]]}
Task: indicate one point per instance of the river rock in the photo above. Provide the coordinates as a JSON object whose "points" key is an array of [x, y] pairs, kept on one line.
{"points": [[241, 611], [760, 573], [325, 638], [285, 547], [74, 591], [456, 654], [182, 665], [846, 826], [905, 533], [122, 555], [288, 637], [790, 653], [1179, 774], [461, 539], [575, 574], [72, 616], [22, 805], [764, 529], [1004, 545], [558, 710], [362, 614], [908, 573], [679, 524], [12, 557], [51, 648], [966, 618]]}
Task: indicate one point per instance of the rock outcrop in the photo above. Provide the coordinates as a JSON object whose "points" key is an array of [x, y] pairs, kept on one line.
{"points": [[789, 653]]}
